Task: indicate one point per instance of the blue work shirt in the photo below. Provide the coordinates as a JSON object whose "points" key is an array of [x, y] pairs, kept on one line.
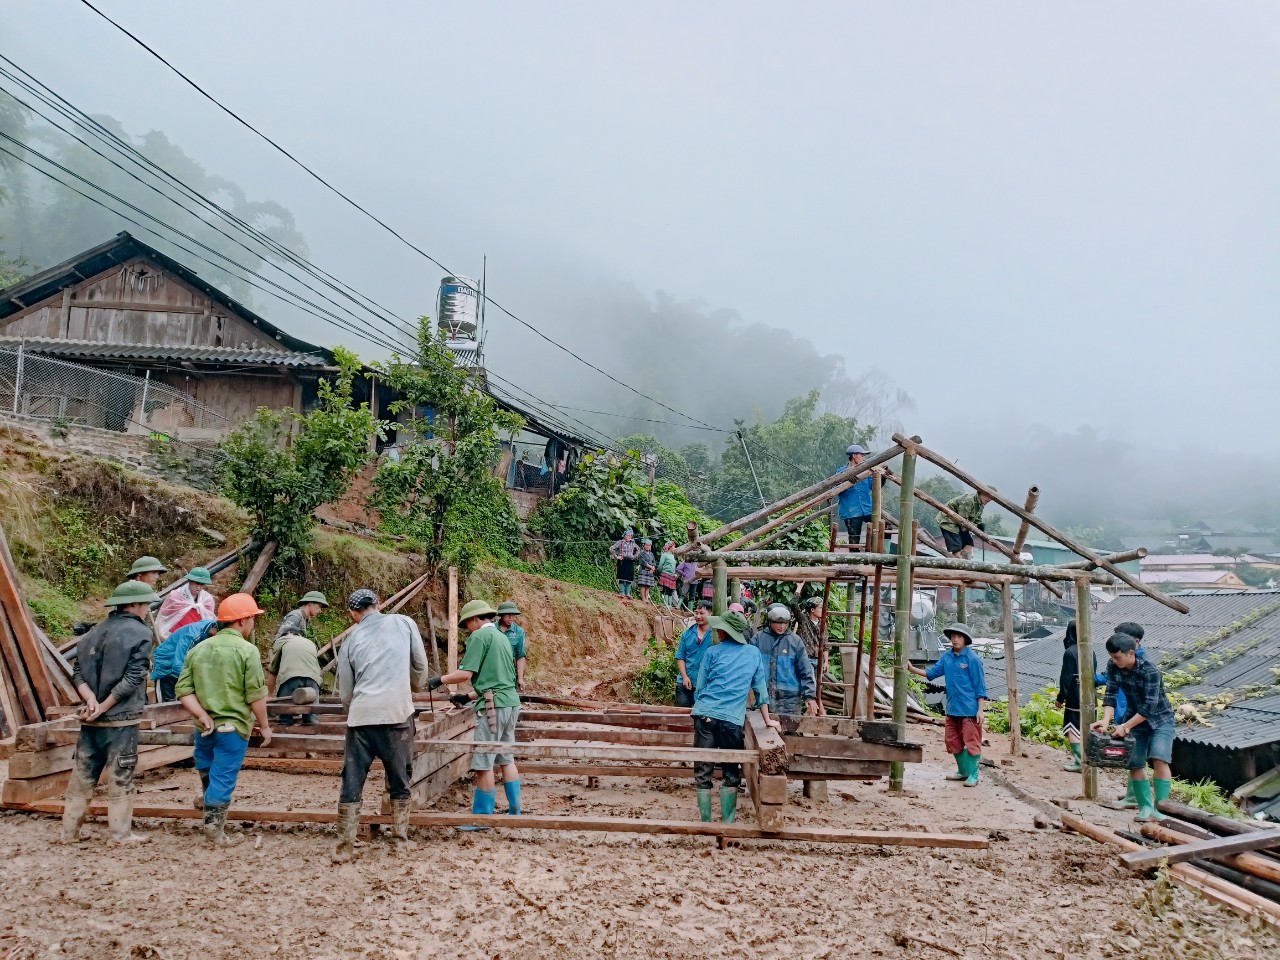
{"points": [[856, 501], [515, 633], [729, 671], [789, 668], [691, 650], [966, 681], [1122, 702], [172, 653]]}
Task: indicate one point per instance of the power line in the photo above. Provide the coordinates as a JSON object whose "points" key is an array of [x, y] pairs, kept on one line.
{"points": [[381, 223], [627, 416]]}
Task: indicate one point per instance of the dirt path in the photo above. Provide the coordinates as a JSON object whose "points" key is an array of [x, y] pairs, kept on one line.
{"points": [[537, 894]]}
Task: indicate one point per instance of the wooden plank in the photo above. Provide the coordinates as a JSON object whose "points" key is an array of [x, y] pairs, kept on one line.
{"points": [[821, 726], [649, 738], [773, 790], [604, 751], [641, 721], [1252, 863], [1206, 849], [259, 568], [28, 701], [816, 767], [23, 631], [604, 705], [768, 742], [606, 770], [29, 791], [772, 812], [742, 831], [845, 749], [26, 766]]}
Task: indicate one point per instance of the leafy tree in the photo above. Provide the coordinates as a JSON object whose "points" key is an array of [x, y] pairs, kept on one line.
{"points": [[789, 453], [282, 465], [441, 492]]}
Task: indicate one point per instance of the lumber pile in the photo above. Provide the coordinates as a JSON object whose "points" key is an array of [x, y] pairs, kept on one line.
{"points": [[1199, 863], [34, 678]]}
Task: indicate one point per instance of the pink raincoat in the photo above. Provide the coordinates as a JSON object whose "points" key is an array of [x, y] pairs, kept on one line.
{"points": [[180, 608]]}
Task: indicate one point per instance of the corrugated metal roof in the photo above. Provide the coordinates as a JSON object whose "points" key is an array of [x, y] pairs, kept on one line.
{"points": [[95, 350], [1184, 576], [1243, 657]]}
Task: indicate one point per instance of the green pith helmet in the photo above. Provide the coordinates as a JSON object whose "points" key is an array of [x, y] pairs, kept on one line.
{"points": [[733, 624], [961, 629], [314, 596], [200, 575], [508, 607], [147, 565], [131, 591], [475, 608]]}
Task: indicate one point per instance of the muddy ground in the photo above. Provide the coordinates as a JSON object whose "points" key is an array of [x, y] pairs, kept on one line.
{"points": [[535, 894]]}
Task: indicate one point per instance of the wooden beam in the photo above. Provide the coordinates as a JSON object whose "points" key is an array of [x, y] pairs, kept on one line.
{"points": [[1050, 531], [849, 475], [602, 751], [392, 604], [964, 522], [815, 767], [903, 567], [1123, 557], [768, 742], [842, 748], [132, 307], [640, 721], [24, 630], [790, 528], [765, 557], [38, 788], [1011, 671], [259, 568], [531, 733], [1033, 498], [1264, 867], [739, 831], [1202, 849], [810, 510], [452, 652], [1088, 697]]}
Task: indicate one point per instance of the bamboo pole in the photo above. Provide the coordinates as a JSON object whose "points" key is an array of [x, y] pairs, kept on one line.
{"points": [[824, 621], [1033, 498], [808, 507], [799, 574], [1088, 701], [452, 649], [878, 584], [1124, 557], [1034, 572], [1052, 532], [964, 522], [792, 527], [849, 475], [720, 579], [1011, 671], [902, 620], [962, 612]]}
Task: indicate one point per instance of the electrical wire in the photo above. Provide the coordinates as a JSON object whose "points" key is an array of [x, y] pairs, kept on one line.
{"points": [[381, 223]]}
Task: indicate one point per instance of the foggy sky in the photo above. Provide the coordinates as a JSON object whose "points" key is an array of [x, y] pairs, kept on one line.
{"points": [[1025, 214]]}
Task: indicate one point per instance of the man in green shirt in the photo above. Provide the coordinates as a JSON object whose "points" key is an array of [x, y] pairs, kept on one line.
{"points": [[223, 687], [507, 613], [489, 667], [957, 539]]}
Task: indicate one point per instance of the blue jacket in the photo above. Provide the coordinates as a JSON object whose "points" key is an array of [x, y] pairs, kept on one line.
{"points": [[856, 501], [171, 654], [691, 651], [729, 671], [789, 669], [966, 681]]}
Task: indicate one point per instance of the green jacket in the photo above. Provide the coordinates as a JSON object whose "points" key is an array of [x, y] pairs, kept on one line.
{"points": [[968, 506]]}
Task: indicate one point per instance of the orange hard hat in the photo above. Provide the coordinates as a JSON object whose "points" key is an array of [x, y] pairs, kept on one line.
{"points": [[238, 606]]}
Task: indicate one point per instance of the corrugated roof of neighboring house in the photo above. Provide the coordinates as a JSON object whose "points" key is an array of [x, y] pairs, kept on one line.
{"points": [[1152, 544], [1228, 643], [1185, 576], [1185, 560], [95, 349], [1254, 544]]}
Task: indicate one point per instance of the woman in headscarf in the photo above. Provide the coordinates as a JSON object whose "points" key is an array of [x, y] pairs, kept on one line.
{"points": [[624, 553], [647, 575], [1069, 694], [667, 574]]}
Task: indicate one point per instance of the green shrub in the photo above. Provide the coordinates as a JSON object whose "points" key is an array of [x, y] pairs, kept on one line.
{"points": [[1207, 796], [656, 681], [54, 611], [1040, 720], [82, 550]]}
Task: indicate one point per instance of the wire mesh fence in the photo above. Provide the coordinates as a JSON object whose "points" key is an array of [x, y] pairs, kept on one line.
{"points": [[42, 388]]}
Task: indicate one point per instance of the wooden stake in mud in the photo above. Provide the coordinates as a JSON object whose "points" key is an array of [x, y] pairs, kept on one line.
{"points": [[874, 652], [1011, 670], [1088, 695], [902, 619], [962, 606], [720, 585], [452, 652]]}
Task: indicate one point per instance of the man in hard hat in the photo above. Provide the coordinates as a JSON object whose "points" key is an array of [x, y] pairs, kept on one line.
{"points": [[792, 687], [147, 570], [172, 654], [854, 506], [507, 613], [294, 664], [696, 640], [489, 667], [381, 665], [966, 701], [110, 675], [186, 604], [729, 671], [958, 540], [222, 686]]}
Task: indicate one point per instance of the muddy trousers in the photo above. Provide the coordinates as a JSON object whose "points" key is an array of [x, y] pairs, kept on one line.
{"points": [[114, 749], [708, 732], [392, 743]]}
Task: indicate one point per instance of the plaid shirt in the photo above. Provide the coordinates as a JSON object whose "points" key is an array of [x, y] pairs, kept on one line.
{"points": [[1143, 690]]}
